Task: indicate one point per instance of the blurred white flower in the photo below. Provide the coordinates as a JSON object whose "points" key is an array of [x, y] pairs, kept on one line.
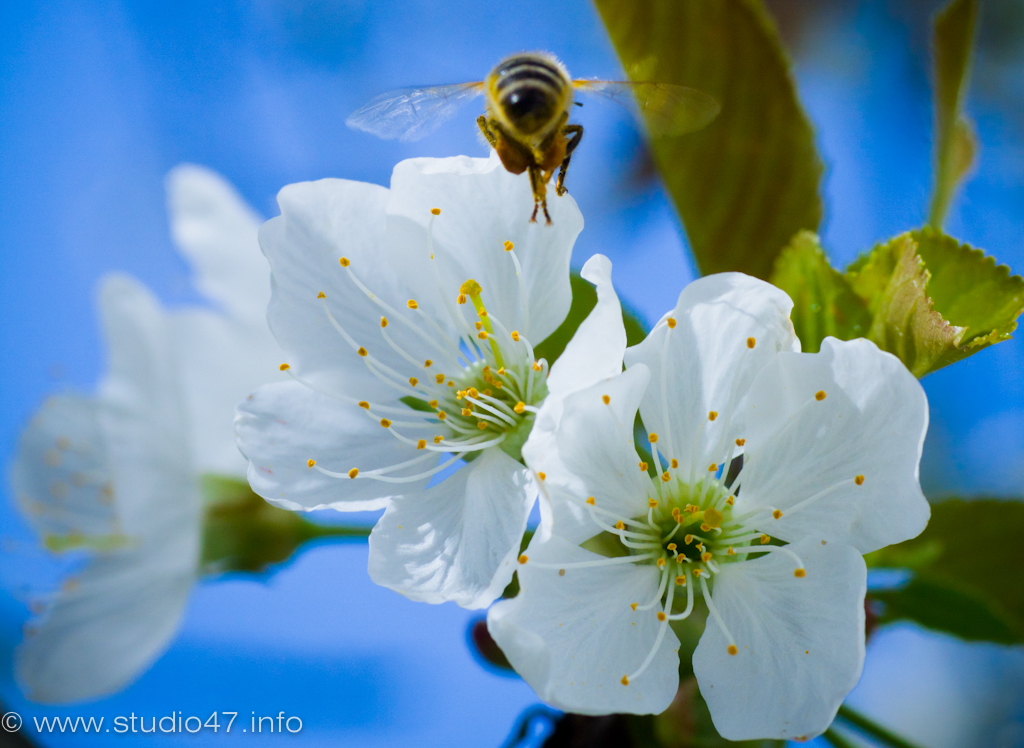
{"points": [[774, 471], [408, 316], [116, 475]]}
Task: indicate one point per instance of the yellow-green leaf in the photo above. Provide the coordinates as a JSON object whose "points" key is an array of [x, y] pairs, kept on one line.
{"points": [[823, 301], [750, 180], [955, 143]]}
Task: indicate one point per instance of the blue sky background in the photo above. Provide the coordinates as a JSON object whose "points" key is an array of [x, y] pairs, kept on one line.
{"points": [[100, 99]]}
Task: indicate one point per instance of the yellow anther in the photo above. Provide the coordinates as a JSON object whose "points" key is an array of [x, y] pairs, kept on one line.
{"points": [[705, 527], [481, 425], [674, 463], [740, 442], [383, 321], [661, 563], [777, 514], [590, 500], [671, 321], [411, 303], [361, 351], [467, 412], [800, 573], [478, 325], [435, 211], [681, 580], [470, 288], [712, 415], [625, 678], [694, 509], [364, 405], [713, 467], [605, 399], [666, 477], [482, 335], [515, 335], [688, 539], [697, 572], [321, 295], [751, 342], [519, 407], [620, 525], [643, 466], [427, 364], [730, 552], [675, 513], [385, 423], [460, 299], [284, 367], [537, 366], [652, 438], [501, 371], [819, 395], [661, 615], [524, 558], [561, 572], [310, 463], [671, 546], [438, 439], [413, 381], [542, 476], [421, 444], [859, 480], [353, 472], [433, 404], [652, 503], [705, 557], [765, 540], [442, 415], [731, 500], [732, 647], [344, 262], [439, 378], [482, 313], [509, 246], [700, 547], [633, 605], [473, 392], [713, 517]]}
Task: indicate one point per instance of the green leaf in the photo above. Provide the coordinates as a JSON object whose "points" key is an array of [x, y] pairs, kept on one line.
{"points": [[955, 143], [823, 301], [749, 181], [967, 579], [584, 299], [934, 300]]}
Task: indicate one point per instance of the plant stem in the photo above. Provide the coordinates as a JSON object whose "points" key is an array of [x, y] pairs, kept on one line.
{"points": [[837, 740], [879, 733]]}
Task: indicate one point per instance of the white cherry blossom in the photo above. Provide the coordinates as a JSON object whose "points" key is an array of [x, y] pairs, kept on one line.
{"points": [[772, 472], [409, 317], [114, 477]]}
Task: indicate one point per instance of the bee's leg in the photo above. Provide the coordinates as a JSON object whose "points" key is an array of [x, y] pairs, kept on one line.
{"points": [[485, 128], [540, 200], [570, 146]]}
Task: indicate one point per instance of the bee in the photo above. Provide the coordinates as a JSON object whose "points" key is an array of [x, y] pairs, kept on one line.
{"points": [[528, 99]]}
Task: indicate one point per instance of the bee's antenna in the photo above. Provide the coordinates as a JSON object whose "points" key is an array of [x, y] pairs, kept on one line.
{"points": [[578, 103]]}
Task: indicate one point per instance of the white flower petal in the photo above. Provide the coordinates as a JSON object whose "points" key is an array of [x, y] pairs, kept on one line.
{"points": [[705, 363], [458, 540], [871, 423], [61, 475], [109, 624], [320, 223], [483, 206], [281, 426], [142, 416], [573, 636], [800, 642], [222, 360], [217, 232], [596, 349], [590, 452]]}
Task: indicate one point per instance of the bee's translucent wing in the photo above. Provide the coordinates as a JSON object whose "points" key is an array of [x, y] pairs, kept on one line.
{"points": [[412, 113], [666, 108]]}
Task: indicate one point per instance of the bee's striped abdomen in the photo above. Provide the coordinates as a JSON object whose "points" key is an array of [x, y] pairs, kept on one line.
{"points": [[530, 90]]}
